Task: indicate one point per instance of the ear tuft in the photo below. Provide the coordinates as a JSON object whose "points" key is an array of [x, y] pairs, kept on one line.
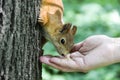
{"points": [[74, 29], [66, 28]]}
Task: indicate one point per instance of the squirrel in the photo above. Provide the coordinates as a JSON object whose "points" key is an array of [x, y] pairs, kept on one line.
{"points": [[61, 35]]}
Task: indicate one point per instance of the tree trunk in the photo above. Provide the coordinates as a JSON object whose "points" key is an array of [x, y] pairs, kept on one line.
{"points": [[19, 40]]}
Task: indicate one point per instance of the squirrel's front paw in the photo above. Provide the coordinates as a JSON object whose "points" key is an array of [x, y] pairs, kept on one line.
{"points": [[41, 21]]}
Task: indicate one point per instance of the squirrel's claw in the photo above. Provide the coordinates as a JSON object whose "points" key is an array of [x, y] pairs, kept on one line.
{"points": [[40, 20]]}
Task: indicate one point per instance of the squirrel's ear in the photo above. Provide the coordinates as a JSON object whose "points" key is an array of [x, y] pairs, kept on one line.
{"points": [[50, 16], [66, 28], [58, 14], [74, 29], [55, 17]]}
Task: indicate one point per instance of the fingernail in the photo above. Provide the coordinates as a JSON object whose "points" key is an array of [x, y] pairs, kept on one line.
{"points": [[41, 59]]}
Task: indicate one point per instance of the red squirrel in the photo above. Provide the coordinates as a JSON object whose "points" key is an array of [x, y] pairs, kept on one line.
{"points": [[61, 35]]}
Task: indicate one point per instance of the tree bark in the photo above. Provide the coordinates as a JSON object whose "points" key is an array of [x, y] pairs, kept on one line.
{"points": [[19, 40]]}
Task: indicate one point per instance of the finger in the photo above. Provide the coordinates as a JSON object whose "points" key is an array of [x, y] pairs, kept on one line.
{"points": [[46, 60], [64, 62], [76, 54], [89, 44], [77, 46]]}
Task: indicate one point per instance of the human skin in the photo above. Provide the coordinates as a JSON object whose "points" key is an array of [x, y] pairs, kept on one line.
{"points": [[94, 52]]}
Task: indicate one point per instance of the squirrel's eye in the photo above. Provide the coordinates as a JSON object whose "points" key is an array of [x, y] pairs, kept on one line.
{"points": [[63, 41]]}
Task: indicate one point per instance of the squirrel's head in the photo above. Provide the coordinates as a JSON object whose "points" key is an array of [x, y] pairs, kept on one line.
{"points": [[64, 39], [61, 35]]}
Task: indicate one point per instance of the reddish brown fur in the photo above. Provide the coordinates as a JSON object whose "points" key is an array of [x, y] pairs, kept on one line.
{"points": [[51, 13]]}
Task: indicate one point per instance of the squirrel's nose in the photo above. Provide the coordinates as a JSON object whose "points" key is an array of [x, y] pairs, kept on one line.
{"points": [[62, 55]]}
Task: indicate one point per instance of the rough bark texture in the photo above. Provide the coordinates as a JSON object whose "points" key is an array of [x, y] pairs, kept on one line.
{"points": [[19, 40]]}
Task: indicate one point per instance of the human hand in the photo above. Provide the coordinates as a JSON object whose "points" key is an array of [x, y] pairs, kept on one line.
{"points": [[94, 52]]}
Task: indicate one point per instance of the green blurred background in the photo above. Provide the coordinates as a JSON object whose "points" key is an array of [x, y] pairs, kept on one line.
{"points": [[91, 17]]}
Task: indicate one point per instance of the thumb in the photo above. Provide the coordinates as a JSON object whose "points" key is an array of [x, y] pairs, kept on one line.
{"points": [[76, 47]]}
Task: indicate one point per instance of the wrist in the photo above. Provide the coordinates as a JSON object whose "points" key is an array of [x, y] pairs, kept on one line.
{"points": [[116, 46]]}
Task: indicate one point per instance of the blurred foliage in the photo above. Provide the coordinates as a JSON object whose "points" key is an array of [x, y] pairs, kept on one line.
{"points": [[92, 17]]}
